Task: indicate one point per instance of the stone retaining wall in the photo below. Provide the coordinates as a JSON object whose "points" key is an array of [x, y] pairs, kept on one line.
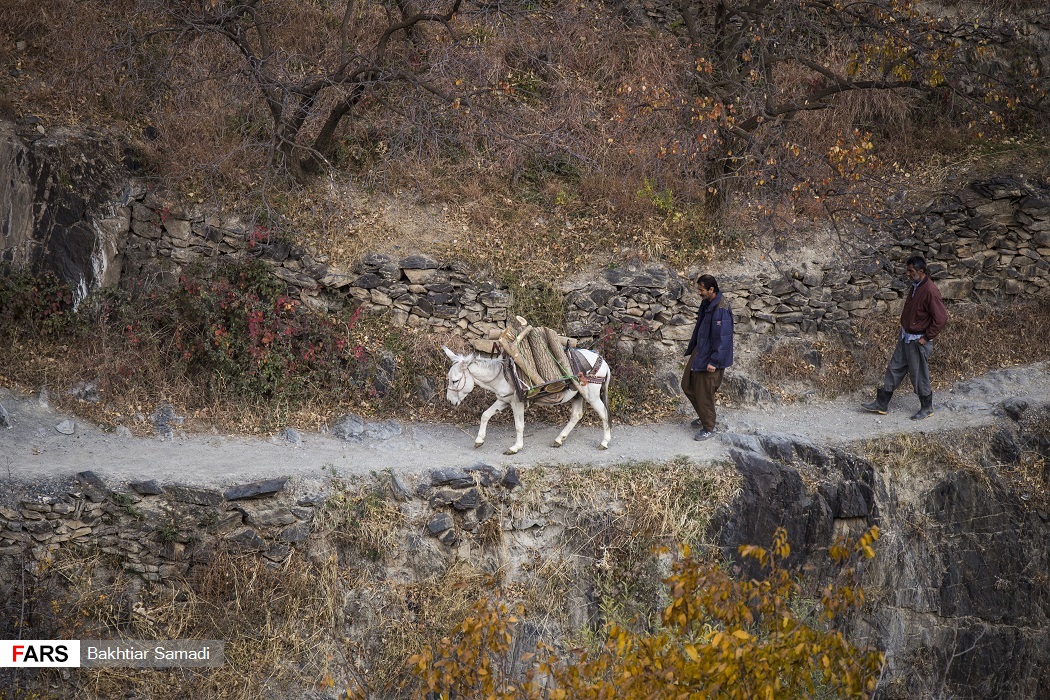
{"points": [[160, 531], [991, 241], [157, 532]]}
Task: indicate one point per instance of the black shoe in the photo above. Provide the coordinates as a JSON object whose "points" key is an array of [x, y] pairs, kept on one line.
{"points": [[703, 434], [881, 403], [925, 407]]}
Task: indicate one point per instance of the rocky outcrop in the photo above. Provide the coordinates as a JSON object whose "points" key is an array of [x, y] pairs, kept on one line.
{"points": [[959, 594], [62, 205]]}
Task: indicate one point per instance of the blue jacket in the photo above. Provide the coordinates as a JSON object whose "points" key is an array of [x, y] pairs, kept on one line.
{"points": [[712, 336]]}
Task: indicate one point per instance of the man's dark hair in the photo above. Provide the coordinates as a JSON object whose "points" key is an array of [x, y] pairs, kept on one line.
{"points": [[707, 282], [918, 262]]}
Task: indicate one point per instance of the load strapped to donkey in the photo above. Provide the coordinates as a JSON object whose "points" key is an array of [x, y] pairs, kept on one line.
{"points": [[541, 363]]}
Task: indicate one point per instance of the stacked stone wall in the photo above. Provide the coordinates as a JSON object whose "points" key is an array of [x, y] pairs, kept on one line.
{"points": [[988, 241], [156, 531], [992, 241]]}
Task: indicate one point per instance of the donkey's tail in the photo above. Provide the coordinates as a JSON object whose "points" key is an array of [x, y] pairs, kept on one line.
{"points": [[605, 388]]}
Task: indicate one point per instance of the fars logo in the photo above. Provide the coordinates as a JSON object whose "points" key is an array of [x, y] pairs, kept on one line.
{"points": [[28, 653]]}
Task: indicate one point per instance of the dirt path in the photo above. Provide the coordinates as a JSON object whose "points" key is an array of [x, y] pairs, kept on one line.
{"points": [[34, 449]]}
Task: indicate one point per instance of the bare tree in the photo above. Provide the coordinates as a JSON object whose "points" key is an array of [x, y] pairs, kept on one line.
{"points": [[758, 66], [311, 78]]}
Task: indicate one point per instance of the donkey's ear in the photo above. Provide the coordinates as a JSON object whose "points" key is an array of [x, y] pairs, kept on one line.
{"points": [[451, 355]]}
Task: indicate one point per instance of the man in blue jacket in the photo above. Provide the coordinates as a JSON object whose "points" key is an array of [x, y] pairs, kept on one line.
{"points": [[710, 351]]}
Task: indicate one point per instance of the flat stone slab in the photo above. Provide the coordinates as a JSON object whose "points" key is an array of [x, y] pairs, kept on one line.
{"points": [[255, 489], [195, 496]]}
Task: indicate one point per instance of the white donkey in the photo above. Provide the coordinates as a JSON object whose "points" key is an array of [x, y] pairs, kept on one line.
{"points": [[468, 371]]}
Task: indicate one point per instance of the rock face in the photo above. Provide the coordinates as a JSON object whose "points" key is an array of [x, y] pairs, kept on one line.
{"points": [[958, 590], [969, 594], [62, 206]]}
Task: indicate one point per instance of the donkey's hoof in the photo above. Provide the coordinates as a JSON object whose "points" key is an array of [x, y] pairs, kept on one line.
{"points": [[511, 451], [556, 444], [603, 446], [478, 444]]}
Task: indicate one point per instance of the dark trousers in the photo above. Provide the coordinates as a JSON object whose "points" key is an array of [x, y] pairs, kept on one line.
{"points": [[700, 388], [911, 360]]}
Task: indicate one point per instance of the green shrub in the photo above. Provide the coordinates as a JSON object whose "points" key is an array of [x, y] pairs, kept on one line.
{"points": [[31, 306]]}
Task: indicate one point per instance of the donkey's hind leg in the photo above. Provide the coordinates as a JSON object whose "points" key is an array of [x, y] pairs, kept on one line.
{"points": [[592, 392], [574, 418], [519, 427], [492, 410]]}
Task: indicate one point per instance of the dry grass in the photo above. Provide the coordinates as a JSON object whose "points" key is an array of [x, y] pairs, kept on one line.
{"points": [[42, 365], [395, 619], [404, 619], [134, 379], [978, 338], [667, 504], [923, 458], [981, 338], [276, 621], [920, 454], [827, 366], [103, 357], [362, 518], [1030, 476], [310, 624], [1031, 479], [619, 520]]}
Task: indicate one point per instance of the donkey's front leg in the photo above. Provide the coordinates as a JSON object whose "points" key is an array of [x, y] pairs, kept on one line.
{"points": [[519, 426], [492, 410]]}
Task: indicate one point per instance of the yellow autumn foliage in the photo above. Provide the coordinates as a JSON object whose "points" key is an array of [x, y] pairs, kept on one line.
{"points": [[720, 637]]}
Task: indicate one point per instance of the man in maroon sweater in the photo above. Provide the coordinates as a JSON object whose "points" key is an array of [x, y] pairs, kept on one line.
{"points": [[922, 319]]}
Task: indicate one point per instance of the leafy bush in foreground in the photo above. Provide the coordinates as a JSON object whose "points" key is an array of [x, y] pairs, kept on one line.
{"points": [[720, 638]]}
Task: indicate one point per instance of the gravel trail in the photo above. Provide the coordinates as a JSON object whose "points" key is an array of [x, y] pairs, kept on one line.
{"points": [[33, 448]]}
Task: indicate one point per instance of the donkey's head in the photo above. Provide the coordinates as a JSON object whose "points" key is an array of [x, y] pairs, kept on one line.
{"points": [[460, 380]]}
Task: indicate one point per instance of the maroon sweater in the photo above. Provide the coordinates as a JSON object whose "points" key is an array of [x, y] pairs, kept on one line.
{"points": [[924, 310]]}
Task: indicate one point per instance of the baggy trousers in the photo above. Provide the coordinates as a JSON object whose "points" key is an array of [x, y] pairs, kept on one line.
{"points": [[912, 360], [700, 388]]}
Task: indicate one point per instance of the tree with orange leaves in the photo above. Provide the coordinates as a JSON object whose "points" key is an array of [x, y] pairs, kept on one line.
{"points": [[720, 637]]}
